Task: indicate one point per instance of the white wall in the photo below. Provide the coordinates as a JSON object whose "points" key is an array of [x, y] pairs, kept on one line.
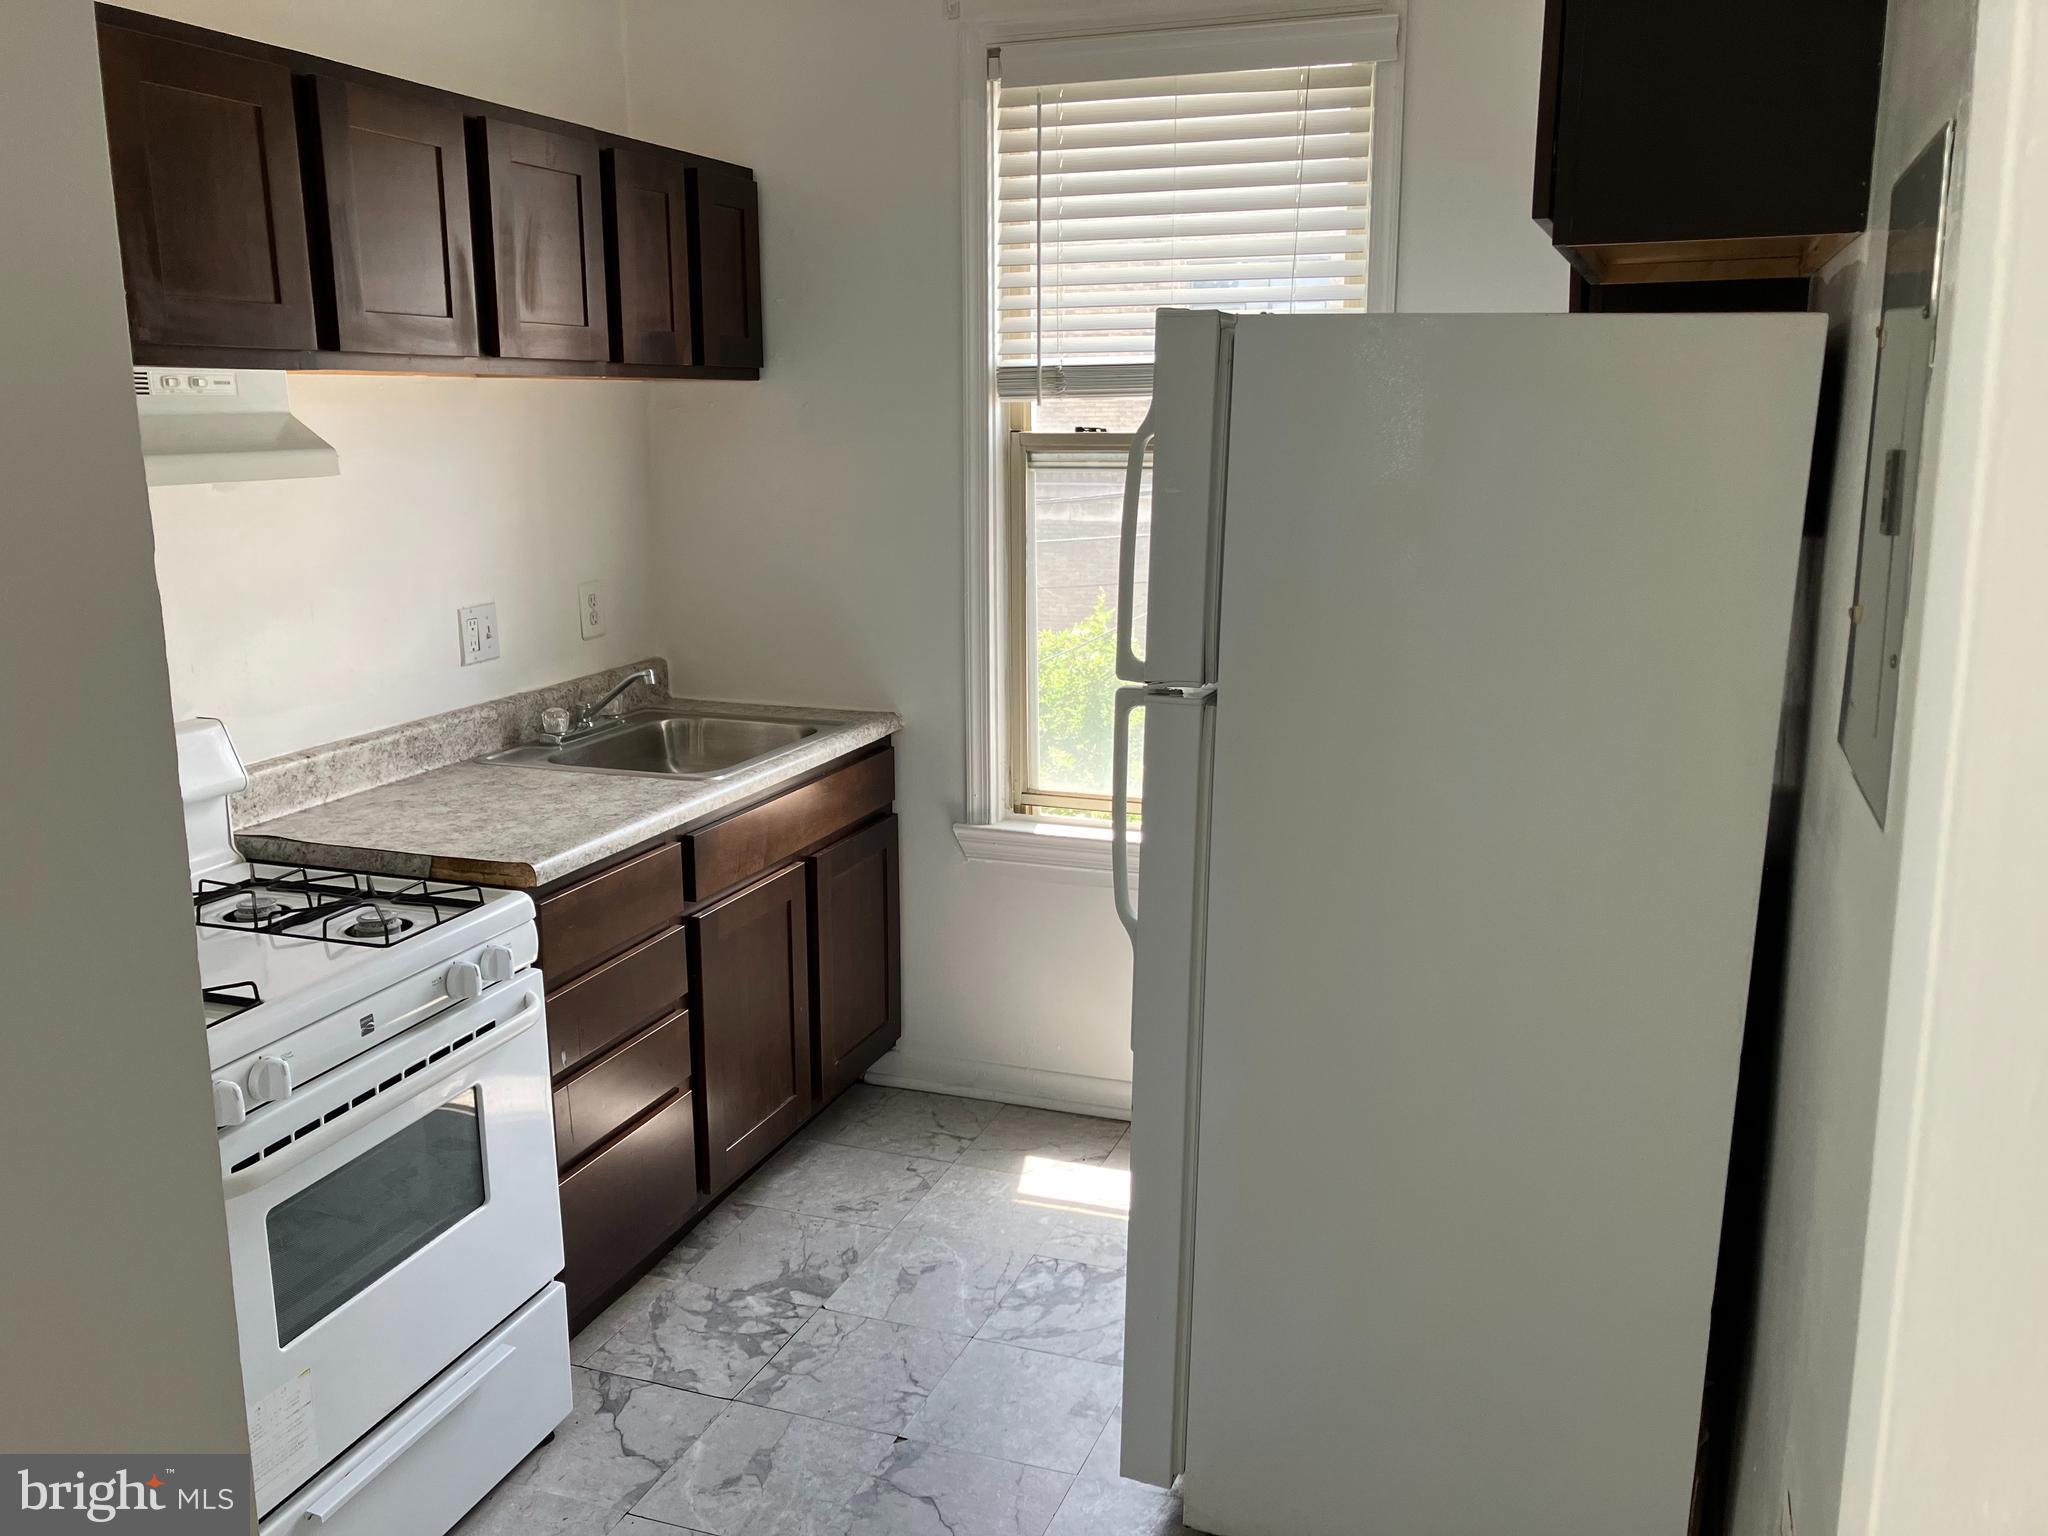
{"points": [[1807, 1390], [304, 611], [1956, 1293], [811, 525], [119, 1332]]}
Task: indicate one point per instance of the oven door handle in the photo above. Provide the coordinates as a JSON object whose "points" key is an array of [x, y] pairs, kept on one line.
{"points": [[393, 1111], [404, 1435]]}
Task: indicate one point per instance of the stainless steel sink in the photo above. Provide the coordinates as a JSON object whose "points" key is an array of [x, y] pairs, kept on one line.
{"points": [[670, 744]]}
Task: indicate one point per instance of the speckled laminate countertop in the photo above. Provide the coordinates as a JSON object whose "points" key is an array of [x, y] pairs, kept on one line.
{"points": [[504, 824]]}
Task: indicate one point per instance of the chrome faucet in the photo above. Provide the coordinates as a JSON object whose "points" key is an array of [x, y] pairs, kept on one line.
{"points": [[586, 714]]}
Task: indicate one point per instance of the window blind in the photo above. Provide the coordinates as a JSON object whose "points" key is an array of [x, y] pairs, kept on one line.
{"points": [[1243, 190]]}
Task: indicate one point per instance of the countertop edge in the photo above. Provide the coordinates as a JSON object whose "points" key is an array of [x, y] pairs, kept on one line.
{"points": [[859, 730]]}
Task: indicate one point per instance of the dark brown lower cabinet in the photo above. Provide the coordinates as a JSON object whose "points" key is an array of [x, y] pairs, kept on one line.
{"points": [[625, 1202], [752, 995], [706, 996], [854, 995]]}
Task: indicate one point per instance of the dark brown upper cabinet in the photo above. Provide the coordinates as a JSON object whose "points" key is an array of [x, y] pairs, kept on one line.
{"points": [[1682, 143], [726, 215], [541, 214], [278, 210], [394, 170], [207, 194], [647, 232]]}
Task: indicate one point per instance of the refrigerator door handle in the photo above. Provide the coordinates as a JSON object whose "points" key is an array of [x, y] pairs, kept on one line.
{"points": [[1128, 666], [1127, 699]]}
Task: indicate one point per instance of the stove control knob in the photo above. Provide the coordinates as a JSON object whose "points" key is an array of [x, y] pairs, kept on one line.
{"points": [[229, 1108], [496, 962], [270, 1079], [464, 980]]}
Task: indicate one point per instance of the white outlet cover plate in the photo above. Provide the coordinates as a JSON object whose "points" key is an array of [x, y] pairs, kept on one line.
{"points": [[590, 608], [478, 629]]}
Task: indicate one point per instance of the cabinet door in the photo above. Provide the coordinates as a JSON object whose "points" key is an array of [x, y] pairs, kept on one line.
{"points": [[398, 220], [753, 995], [647, 229], [726, 218], [855, 1004], [546, 235], [207, 195]]}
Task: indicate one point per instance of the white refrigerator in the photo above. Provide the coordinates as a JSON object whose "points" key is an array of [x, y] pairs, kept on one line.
{"points": [[1460, 677]]}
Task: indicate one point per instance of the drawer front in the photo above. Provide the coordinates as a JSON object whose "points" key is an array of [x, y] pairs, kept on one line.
{"points": [[735, 850], [592, 921], [625, 1202], [424, 1467], [620, 1085], [604, 1006]]}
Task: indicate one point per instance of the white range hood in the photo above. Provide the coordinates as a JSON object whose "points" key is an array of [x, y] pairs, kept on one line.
{"points": [[205, 425]]}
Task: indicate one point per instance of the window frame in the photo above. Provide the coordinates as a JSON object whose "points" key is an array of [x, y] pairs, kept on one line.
{"points": [[990, 828], [1021, 796]]}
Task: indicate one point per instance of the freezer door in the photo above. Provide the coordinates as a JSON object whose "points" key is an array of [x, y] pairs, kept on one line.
{"points": [[1506, 602], [1172, 642]]}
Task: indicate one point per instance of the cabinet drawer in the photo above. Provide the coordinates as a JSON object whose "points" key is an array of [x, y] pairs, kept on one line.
{"points": [[733, 851], [607, 913], [602, 1007], [620, 1085], [626, 1201]]}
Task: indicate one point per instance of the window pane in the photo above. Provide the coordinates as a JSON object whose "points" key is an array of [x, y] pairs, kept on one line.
{"points": [[333, 1239], [1076, 508], [1109, 413]]}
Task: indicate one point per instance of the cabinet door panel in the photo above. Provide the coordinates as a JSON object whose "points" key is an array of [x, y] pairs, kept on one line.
{"points": [[547, 243], [397, 194], [647, 220], [207, 194], [855, 1001], [726, 223], [753, 998]]}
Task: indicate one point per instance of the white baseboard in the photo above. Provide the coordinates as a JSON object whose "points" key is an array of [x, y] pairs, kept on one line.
{"points": [[1069, 1091]]}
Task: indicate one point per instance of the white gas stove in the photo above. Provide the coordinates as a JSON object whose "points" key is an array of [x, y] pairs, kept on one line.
{"points": [[302, 969], [387, 1151]]}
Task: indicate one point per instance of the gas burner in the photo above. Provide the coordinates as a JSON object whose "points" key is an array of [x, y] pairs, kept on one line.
{"points": [[254, 909], [377, 923]]}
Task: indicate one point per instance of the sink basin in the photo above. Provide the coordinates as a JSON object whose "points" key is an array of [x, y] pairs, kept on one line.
{"points": [[671, 744]]}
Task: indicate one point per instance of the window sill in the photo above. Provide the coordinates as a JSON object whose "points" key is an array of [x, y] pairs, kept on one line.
{"points": [[1074, 851]]}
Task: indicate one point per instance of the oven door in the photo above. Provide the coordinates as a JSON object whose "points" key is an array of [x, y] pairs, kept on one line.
{"points": [[383, 1219]]}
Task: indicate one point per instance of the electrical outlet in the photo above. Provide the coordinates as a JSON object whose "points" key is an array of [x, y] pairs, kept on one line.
{"points": [[590, 608], [478, 627]]}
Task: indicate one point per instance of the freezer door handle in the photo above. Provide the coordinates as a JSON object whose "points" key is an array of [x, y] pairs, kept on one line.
{"points": [[1127, 699], [1128, 667]]}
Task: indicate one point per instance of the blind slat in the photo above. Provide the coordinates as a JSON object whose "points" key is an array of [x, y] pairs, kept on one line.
{"points": [[1012, 260], [1248, 189]]}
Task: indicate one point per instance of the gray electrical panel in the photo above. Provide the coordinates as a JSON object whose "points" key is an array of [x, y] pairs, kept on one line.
{"points": [[1891, 475]]}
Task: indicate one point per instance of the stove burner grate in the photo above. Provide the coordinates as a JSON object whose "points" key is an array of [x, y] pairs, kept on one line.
{"points": [[335, 905], [237, 997]]}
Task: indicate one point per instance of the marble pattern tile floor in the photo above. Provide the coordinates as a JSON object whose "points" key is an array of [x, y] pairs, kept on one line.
{"points": [[908, 1322]]}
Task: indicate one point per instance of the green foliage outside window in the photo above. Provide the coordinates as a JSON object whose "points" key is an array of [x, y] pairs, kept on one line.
{"points": [[1077, 685]]}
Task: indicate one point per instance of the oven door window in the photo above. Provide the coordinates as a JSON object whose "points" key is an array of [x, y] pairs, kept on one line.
{"points": [[332, 1240]]}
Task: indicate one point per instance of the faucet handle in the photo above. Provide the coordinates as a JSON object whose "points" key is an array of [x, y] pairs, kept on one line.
{"points": [[554, 722]]}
